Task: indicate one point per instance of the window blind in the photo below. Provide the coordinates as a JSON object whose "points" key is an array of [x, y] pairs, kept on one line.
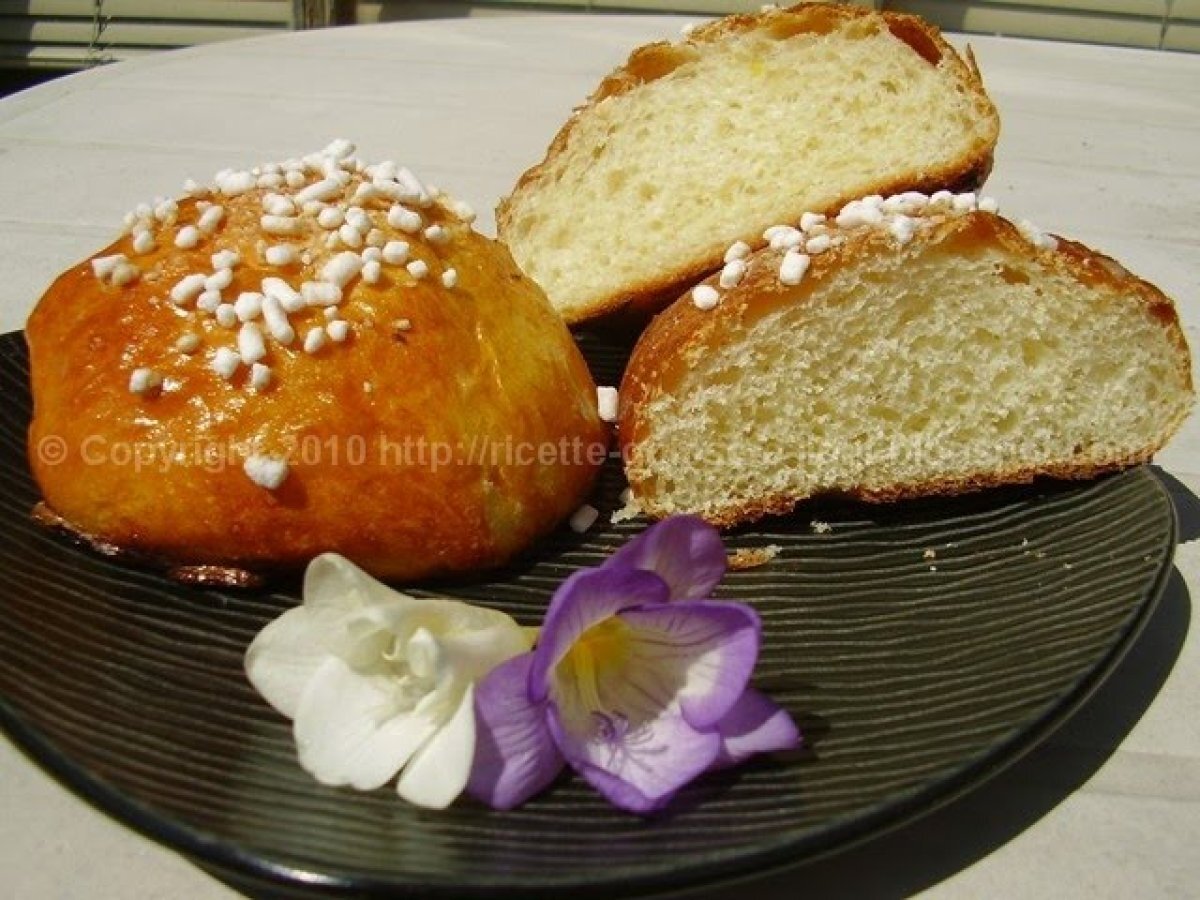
{"points": [[1167, 24], [1133, 23], [1183, 26], [74, 33]]}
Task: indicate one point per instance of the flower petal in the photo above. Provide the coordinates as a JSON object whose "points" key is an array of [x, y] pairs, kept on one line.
{"points": [[332, 581], [698, 654], [349, 731], [283, 657], [372, 614], [585, 599], [637, 767], [684, 551], [756, 724], [515, 755], [475, 639], [438, 771], [475, 652], [622, 794]]}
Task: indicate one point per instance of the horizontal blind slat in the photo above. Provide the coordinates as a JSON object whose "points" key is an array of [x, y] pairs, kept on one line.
{"points": [[54, 56], [1153, 9], [991, 18], [60, 33], [267, 11], [1135, 23], [1182, 36], [118, 33], [373, 12], [1182, 10]]}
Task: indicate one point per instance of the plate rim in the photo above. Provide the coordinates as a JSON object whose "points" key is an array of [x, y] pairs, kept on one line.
{"points": [[216, 854]]}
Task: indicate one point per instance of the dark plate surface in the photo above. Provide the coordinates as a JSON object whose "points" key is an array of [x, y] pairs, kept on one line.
{"points": [[921, 646]]}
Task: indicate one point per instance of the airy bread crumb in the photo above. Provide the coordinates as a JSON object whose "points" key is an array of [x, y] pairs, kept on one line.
{"points": [[631, 510], [966, 357], [750, 121]]}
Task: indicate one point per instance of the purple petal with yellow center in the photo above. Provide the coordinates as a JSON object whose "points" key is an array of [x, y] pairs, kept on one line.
{"points": [[636, 696], [755, 725], [585, 600], [684, 551], [515, 754], [697, 654]]}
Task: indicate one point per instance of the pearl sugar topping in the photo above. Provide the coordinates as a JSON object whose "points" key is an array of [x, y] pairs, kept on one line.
{"points": [[324, 222], [900, 216]]}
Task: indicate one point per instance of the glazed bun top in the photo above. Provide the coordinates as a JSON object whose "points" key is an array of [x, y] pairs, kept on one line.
{"points": [[313, 355]]}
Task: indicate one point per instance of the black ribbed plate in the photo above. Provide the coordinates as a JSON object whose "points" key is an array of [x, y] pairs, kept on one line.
{"points": [[921, 646]]}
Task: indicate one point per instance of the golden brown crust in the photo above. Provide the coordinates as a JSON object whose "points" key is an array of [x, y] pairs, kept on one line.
{"points": [[732, 516], [653, 61], [408, 445], [683, 334]]}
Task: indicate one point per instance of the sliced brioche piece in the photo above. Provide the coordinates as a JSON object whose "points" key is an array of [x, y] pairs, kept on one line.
{"points": [[752, 120], [931, 349]]}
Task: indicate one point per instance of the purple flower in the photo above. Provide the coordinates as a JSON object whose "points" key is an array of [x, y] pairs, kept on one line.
{"points": [[639, 682]]}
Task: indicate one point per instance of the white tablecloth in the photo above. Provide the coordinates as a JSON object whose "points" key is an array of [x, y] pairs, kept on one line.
{"points": [[1100, 144]]}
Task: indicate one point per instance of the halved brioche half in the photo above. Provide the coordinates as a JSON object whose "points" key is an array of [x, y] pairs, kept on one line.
{"points": [[919, 348], [751, 120]]}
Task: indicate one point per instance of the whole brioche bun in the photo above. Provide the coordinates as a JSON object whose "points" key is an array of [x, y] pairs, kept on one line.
{"points": [[923, 346], [453, 423]]}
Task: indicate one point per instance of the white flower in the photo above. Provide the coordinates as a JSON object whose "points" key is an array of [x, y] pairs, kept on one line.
{"points": [[378, 682]]}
